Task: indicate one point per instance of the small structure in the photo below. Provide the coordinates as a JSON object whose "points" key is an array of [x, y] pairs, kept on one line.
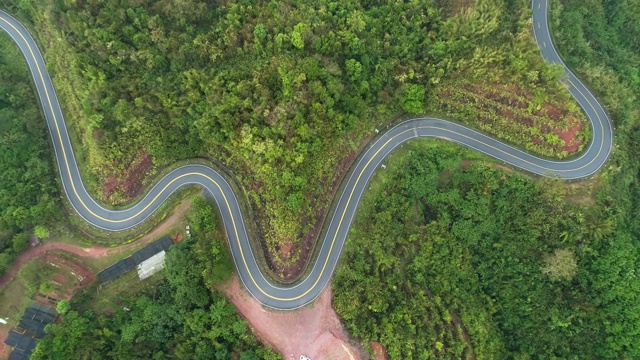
{"points": [[116, 270], [151, 266], [151, 249], [31, 328], [34, 240], [136, 260], [22, 345]]}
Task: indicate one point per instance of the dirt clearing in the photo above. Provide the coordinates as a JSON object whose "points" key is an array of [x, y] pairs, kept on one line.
{"points": [[130, 181], [378, 351], [314, 331]]}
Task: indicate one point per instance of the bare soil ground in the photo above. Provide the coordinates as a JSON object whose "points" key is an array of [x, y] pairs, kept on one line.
{"points": [[94, 251], [38, 251], [79, 270], [569, 136], [74, 269], [510, 102], [130, 181], [314, 331], [378, 351]]}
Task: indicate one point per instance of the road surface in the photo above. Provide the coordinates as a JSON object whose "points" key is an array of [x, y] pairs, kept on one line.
{"points": [[292, 297]]}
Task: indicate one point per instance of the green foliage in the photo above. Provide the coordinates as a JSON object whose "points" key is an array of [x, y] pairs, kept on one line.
{"points": [[531, 119], [66, 340], [20, 242], [46, 287], [6, 260], [28, 190], [211, 251], [440, 250], [34, 276], [41, 232], [63, 306], [181, 319], [600, 40], [267, 88], [561, 265], [413, 99], [190, 291]]}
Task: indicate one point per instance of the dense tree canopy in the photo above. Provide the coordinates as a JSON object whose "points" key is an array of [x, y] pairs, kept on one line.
{"points": [[449, 259], [28, 190], [280, 91], [530, 272]]}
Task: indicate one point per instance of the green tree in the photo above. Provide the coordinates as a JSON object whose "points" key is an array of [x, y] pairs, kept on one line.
{"points": [[20, 242], [69, 340], [63, 306], [413, 99], [6, 260], [561, 265], [41, 232]]}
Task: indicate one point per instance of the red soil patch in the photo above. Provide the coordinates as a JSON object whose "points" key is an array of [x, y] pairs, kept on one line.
{"points": [[177, 237], [86, 276], [285, 249], [38, 251], [314, 331], [508, 102], [95, 251], [76, 268], [79, 270], [570, 137], [379, 352], [58, 279], [130, 181]]}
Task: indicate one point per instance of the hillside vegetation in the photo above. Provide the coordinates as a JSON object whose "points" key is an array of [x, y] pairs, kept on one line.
{"points": [[456, 259], [181, 317], [284, 93], [28, 189]]}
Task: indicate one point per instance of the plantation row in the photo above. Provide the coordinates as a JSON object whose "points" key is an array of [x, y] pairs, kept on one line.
{"points": [[502, 112]]}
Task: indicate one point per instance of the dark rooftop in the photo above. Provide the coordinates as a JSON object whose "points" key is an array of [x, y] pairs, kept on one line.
{"points": [[151, 249], [130, 263], [23, 345]]}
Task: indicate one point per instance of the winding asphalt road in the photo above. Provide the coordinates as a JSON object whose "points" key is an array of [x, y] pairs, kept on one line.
{"points": [[292, 297]]}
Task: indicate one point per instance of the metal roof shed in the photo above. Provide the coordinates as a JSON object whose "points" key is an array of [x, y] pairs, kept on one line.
{"points": [[152, 249]]}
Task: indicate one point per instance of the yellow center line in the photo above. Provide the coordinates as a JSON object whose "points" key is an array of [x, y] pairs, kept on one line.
{"points": [[233, 222]]}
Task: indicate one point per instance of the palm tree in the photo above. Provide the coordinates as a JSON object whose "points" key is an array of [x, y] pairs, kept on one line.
{"points": [[598, 227]]}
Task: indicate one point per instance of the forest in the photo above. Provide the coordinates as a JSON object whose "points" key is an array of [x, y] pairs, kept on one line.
{"points": [[268, 88], [451, 256], [182, 317], [457, 249], [28, 190], [507, 266]]}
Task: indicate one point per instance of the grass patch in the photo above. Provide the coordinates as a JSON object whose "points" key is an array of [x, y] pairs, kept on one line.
{"points": [[108, 296], [13, 301]]}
